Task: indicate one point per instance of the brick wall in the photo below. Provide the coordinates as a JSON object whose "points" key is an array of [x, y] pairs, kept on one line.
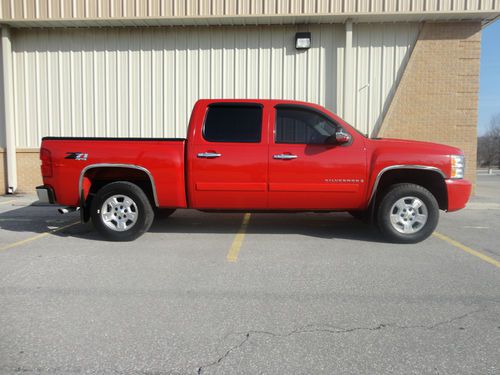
{"points": [[28, 170], [436, 99]]}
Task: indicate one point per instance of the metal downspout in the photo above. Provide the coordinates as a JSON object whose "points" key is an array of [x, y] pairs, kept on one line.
{"points": [[348, 108], [8, 105]]}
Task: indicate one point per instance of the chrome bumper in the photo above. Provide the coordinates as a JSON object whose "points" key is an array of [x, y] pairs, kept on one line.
{"points": [[45, 194]]}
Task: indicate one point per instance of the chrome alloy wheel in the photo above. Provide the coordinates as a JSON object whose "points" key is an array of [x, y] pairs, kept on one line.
{"points": [[119, 213], [409, 215]]}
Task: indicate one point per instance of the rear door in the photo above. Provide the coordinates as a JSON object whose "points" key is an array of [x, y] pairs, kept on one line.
{"points": [[305, 172], [228, 159]]}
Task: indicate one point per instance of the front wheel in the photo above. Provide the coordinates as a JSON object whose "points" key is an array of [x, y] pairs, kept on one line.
{"points": [[408, 213], [121, 211]]}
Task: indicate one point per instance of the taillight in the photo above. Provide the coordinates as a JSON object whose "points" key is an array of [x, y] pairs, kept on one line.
{"points": [[46, 165]]}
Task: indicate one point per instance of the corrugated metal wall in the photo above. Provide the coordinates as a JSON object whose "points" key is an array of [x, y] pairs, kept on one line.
{"points": [[79, 9], [2, 107], [144, 82], [381, 53]]}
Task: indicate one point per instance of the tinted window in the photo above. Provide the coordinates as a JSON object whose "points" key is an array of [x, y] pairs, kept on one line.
{"points": [[295, 125], [233, 123]]}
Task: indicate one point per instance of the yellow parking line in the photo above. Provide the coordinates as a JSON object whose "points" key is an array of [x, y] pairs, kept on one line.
{"points": [[232, 255], [467, 249], [36, 237], [7, 202]]}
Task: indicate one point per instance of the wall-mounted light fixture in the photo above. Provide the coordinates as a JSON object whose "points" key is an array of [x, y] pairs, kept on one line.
{"points": [[303, 40]]}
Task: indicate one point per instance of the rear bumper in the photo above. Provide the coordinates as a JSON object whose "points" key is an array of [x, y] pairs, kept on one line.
{"points": [[45, 194], [458, 193]]}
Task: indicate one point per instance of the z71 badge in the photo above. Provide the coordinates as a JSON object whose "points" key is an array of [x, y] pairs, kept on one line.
{"points": [[76, 155]]}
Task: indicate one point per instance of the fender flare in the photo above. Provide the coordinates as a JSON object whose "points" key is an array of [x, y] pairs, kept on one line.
{"points": [[402, 166], [111, 165]]}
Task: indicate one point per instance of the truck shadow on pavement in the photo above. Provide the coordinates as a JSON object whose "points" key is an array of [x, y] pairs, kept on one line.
{"points": [[318, 225], [35, 219]]}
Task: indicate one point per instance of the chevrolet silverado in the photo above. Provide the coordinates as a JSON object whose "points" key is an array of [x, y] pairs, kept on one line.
{"points": [[255, 155]]}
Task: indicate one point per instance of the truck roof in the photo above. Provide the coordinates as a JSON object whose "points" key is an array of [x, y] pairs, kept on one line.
{"points": [[272, 101]]}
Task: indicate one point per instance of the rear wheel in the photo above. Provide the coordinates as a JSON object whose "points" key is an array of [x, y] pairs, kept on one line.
{"points": [[408, 213], [121, 211]]}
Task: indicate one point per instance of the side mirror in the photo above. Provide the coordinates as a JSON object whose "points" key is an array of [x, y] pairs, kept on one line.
{"points": [[342, 137]]}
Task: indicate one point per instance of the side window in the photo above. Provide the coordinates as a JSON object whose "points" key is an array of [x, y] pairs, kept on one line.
{"points": [[233, 123], [296, 125]]}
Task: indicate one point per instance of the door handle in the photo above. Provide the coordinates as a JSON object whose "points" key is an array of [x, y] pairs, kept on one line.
{"points": [[209, 155], [285, 156]]}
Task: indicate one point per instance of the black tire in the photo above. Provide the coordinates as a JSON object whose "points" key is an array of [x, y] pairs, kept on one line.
{"points": [[144, 211], [394, 194], [163, 213]]}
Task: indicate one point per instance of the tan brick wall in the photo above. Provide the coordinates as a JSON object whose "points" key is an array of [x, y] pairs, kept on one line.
{"points": [[436, 99], [28, 170]]}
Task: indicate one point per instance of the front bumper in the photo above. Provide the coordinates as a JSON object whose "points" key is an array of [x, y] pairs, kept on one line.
{"points": [[458, 193], [45, 194]]}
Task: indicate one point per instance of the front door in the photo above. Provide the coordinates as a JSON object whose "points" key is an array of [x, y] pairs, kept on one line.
{"points": [[306, 171], [228, 160]]}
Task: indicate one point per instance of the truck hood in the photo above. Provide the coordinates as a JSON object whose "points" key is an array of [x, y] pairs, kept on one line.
{"points": [[435, 148]]}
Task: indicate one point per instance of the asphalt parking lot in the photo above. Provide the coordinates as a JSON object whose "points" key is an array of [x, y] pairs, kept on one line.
{"points": [[204, 293]]}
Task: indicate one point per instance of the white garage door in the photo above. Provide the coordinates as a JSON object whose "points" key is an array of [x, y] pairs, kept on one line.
{"points": [[134, 82]]}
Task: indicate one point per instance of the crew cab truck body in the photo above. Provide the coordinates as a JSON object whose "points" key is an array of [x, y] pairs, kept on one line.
{"points": [[255, 155]]}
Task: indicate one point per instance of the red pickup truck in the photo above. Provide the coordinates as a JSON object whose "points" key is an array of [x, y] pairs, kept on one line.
{"points": [[255, 155]]}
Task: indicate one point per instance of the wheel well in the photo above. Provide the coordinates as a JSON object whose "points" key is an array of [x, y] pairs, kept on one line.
{"points": [[431, 180], [95, 178]]}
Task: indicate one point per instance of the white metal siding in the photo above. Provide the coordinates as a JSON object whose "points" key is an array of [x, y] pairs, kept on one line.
{"points": [[144, 82], [95, 9], [2, 106], [381, 54]]}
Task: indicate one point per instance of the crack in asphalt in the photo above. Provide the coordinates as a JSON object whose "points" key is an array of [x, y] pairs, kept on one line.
{"points": [[324, 328], [221, 358], [310, 328]]}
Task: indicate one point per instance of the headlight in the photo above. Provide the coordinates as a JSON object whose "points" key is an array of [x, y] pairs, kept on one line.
{"points": [[457, 166]]}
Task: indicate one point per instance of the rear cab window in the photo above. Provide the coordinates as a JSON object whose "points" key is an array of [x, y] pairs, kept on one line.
{"points": [[233, 122]]}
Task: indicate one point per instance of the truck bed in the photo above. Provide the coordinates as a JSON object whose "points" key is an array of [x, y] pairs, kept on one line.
{"points": [[74, 157]]}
